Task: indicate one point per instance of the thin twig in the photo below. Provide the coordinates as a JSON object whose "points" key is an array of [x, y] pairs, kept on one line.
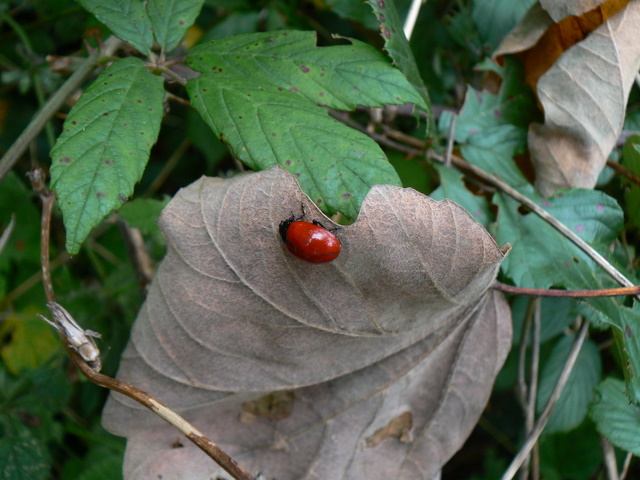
{"points": [[553, 399], [188, 430], [84, 353], [626, 465], [171, 74], [527, 396], [32, 281], [41, 118], [463, 165], [31, 55], [4, 238], [47, 208], [379, 137], [522, 389], [169, 165], [177, 99], [625, 172], [512, 192], [38, 182], [544, 292], [404, 138], [450, 139], [610, 461], [412, 16], [138, 254], [533, 384]]}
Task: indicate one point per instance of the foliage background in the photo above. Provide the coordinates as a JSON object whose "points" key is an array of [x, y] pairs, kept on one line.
{"points": [[50, 416]]}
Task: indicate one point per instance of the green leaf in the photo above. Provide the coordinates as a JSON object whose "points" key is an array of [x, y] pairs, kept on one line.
{"points": [[452, 186], [493, 151], [572, 406], [233, 24], [340, 77], [107, 467], [143, 214], [105, 146], [464, 31], [24, 458], [397, 45], [171, 19], [615, 417], [542, 257], [496, 18], [39, 394], [631, 160], [556, 315], [127, 19], [264, 125], [571, 455], [627, 342], [482, 111], [49, 390], [356, 11]]}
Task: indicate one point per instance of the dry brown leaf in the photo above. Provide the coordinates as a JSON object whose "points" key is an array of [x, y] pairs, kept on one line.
{"points": [[589, 10], [402, 323], [582, 69], [549, 29], [524, 37], [584, 96]]}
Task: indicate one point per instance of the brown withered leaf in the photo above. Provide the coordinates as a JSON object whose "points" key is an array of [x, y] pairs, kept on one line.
{"points": [[584, 96], [549, 29], [584, 10], [582, 74], [401, 325]]}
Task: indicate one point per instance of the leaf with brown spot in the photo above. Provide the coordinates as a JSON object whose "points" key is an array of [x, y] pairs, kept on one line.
{"points": [[397, 323], [397, 45], [93, 170], [398, 427]]}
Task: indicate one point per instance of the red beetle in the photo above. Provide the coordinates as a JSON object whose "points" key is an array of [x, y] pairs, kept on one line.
{"points": [[309, 241]]}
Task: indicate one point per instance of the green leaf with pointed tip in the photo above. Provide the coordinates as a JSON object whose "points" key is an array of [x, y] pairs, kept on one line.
{"points": [[572, 406], [396, 43], [340, 77], [335, 165], [127, 19], [105, 146], [171, 19], [615, 417]]}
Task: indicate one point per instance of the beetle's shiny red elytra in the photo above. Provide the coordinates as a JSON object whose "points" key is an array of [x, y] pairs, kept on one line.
{"points": [[309, 241]]}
